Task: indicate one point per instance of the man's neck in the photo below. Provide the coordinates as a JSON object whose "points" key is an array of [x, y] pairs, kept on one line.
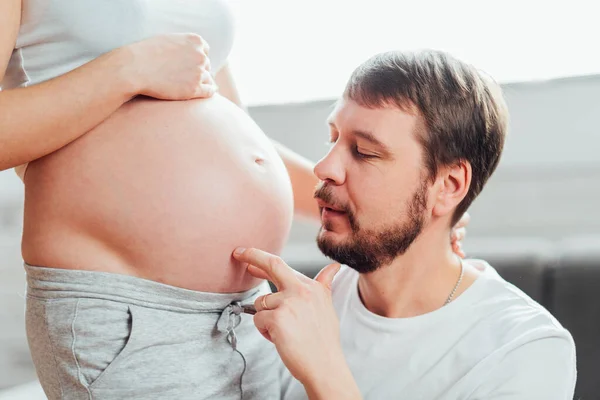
{"points": [[416, 282]]}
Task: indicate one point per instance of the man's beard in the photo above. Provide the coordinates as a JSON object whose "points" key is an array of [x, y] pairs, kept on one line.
{"points": [[368, 250]]}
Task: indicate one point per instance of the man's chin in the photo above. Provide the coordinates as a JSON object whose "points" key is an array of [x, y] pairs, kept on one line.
{"points": [[338, 248], [332, 235], [330, 242]]}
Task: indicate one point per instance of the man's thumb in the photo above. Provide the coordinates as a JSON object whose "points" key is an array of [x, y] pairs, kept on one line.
{"points": [[326, 275]]}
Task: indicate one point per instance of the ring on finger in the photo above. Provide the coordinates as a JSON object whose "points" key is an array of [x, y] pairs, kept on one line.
{"points": [[263, 302]]}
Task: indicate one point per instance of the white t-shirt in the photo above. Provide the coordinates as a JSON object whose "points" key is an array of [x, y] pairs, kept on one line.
{"points": [[492, 342]]}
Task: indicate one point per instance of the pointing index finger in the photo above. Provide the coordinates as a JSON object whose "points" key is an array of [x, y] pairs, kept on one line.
{"points": [[278, 271]]}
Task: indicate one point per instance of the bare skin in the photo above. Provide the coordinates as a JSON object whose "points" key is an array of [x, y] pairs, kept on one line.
{"points": [[162, 190]]}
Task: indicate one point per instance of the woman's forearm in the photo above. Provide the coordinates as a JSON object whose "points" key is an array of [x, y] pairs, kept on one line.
{"points": [[304, 182], [37, 120], [40, 119]]}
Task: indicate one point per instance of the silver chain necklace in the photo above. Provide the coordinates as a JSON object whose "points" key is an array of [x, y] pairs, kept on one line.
{"points": [[462, 272]]}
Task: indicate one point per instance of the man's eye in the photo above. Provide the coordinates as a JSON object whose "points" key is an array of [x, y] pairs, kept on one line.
{"points": [[358, 154]]}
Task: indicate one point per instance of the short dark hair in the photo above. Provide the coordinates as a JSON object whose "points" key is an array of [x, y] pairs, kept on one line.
{"points": [[463, 113]]}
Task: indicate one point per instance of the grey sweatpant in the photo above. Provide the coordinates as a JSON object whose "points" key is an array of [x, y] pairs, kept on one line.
{"points": [[100, 336]]}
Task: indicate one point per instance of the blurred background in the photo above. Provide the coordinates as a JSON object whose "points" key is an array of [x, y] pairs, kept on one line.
{"points": [[537, 221]]}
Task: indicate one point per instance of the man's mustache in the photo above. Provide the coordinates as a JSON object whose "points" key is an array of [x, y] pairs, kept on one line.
{"points": [[325, 193]]}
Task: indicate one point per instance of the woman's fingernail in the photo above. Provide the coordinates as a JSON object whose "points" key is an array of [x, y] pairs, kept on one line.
{"points": [[239, 251]]}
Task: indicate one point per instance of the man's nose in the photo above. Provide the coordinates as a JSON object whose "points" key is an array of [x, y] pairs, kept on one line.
{"points": [[330, 168]]}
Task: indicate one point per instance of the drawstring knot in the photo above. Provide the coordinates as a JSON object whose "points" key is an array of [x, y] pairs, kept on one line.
{"points": [[229, 320]]}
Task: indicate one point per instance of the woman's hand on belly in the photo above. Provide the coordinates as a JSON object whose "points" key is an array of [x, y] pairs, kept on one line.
{"points": [[172, 67]]}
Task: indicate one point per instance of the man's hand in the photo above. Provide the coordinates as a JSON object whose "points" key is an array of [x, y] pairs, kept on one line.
{"points": [[301, 321], [459, 232]]}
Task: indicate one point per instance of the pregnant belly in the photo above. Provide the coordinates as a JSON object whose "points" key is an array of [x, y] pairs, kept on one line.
{"points": [[163, 191]]}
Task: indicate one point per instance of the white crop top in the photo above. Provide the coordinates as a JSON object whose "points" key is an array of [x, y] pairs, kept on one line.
{"points": [[57, 36]]}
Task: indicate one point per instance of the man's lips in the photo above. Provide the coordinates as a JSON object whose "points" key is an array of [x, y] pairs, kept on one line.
{"points": [[323, 205], [328, 211]]}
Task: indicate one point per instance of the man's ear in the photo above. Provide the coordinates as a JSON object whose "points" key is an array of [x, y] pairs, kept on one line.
{"points": [[454, 183]]}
